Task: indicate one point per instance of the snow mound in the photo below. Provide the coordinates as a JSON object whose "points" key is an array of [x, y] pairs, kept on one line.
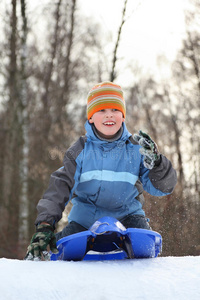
{"points": [[163, 278]]}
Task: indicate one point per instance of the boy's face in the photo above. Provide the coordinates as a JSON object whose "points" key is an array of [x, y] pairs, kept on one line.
{"points": [[107, 122]]}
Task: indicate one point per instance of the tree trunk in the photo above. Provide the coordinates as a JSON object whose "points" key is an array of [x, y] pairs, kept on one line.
{"points": [[13, 142], [113, 73], [23, 226]]}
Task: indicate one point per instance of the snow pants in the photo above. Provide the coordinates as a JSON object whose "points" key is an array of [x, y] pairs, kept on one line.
{"points": [[131, 221]]}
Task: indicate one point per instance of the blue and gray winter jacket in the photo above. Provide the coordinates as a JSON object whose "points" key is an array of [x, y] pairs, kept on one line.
{"points": [[103, 179]]}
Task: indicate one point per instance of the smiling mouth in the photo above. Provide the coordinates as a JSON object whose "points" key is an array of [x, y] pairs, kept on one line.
{"points": [[109, 123]]}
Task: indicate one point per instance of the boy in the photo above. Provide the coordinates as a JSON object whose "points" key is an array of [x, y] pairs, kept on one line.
{"points": [[104, 174]]}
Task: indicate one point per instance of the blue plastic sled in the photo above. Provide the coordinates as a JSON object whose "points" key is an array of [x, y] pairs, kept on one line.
{"points": [[108, 239]]}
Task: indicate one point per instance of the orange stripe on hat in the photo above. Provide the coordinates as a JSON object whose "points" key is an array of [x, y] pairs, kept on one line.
{"points": [[105, 95]]}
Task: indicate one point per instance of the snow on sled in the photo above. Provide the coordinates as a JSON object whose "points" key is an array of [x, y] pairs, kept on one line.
{"points": [[108, 239]]}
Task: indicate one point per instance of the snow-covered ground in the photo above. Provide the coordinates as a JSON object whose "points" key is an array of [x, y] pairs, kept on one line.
{"points": [[173, 278]]}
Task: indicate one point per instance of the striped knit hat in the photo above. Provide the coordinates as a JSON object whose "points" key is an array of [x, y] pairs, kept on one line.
{"points": [[105, 95]]}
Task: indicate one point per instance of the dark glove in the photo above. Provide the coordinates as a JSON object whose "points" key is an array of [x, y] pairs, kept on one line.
{"points": [[43, 237], [149, 149]]}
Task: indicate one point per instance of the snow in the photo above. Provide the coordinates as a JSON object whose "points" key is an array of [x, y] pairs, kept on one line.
{"points": [[176, 278]]}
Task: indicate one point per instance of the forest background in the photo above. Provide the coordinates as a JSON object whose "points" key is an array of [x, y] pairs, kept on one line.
{"points": [[44, 81]]}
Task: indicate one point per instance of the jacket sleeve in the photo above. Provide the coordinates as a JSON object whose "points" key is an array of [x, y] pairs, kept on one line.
{"points": [[161, 180], [61, 187]]}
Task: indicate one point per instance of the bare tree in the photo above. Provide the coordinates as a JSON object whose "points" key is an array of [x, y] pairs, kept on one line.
{"points": [[24, 168], [13, 142], [113, 73]]}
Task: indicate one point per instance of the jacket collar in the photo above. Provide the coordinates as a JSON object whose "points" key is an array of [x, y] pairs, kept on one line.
{"points": [[91, 135]]}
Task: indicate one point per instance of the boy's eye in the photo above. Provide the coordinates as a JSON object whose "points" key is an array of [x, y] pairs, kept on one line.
{"points": [[113, 109]]}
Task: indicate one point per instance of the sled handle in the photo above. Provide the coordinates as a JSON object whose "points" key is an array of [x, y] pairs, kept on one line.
{"points": [[100, 233]]}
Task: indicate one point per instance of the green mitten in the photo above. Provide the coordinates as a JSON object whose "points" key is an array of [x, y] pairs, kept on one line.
{"points": [[43, 237], [149, 149]]}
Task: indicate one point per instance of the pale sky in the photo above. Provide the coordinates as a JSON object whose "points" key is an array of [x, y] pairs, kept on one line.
{"points": [[152, 28]]}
